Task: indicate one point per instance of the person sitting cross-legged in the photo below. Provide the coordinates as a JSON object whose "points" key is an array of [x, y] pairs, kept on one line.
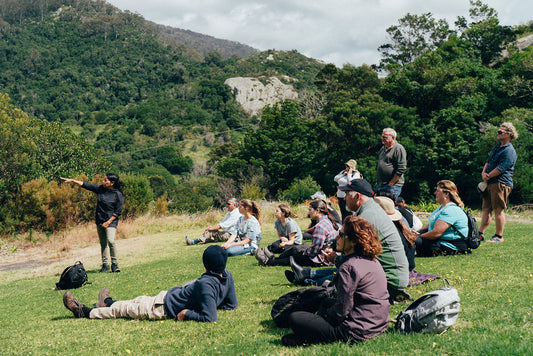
{"points": [[223, 230], [196, 300], [360, 310]]}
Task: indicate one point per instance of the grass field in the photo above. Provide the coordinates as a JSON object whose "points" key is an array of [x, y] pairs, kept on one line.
{"points": [[495, 284]]}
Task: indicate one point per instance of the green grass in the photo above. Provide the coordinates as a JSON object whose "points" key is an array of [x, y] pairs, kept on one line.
{"points": [[495, 284]]}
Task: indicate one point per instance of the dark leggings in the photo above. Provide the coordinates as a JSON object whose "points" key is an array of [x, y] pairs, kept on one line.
{"points": [[342, 207], [432, 248], [302, 260], [315, 329]]}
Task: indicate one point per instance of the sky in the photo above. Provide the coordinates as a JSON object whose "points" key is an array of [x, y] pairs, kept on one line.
{"points": [[334, 31]]}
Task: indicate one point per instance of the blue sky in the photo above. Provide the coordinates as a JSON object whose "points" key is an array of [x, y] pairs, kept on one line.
{"points": [[334, 31]]}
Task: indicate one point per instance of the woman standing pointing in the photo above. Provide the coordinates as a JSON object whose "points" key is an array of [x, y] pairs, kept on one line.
{"points": [[110, 201]]}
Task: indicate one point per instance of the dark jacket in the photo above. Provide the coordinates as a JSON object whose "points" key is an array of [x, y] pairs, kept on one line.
{"points": [[202, 297], [109, 203], [362, 303]]}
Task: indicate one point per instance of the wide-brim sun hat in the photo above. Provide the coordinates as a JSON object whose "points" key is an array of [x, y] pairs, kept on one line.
{"points": [[388, 205]]}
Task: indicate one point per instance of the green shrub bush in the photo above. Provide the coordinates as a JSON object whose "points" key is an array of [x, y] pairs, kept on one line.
{"points": [[194, 194], [48, 206], [300, 190], [137, 195], [253, 192]]}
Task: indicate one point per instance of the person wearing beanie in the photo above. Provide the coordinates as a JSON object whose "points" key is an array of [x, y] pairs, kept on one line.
{"points": [[196, 300]]}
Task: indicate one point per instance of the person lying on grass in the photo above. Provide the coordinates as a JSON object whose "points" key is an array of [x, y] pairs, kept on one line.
{"points": [[360, 310], [196, 300]]}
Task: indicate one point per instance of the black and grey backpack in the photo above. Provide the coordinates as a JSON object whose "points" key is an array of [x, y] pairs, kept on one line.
{"points": [[72, 277], [434, 312]]}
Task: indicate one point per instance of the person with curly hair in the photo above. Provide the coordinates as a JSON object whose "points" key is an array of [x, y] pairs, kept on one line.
{"points": [[360, 310]]}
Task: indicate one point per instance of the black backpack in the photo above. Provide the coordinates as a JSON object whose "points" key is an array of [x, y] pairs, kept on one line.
{"points": [[304, 299], [72, 277], [472, 239]]}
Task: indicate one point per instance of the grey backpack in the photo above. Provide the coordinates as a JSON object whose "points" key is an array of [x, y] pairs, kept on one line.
{"points": [[434, 312]]}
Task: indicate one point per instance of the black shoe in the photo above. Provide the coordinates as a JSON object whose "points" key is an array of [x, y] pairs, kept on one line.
{"points": [[73, 305], [105, 268], [114, 268], [290, 276], [300, 273], [292, 340], [481, 237]]}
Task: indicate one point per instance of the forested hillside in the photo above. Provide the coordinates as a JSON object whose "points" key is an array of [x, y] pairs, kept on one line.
{"points": [[139, 100], [122, 82]]}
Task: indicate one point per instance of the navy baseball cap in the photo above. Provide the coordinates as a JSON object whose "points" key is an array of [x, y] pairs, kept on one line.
{"points": [[359, 185]]}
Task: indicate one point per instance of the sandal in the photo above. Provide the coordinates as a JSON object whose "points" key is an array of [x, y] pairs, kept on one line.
{"points": [[496, 238]]}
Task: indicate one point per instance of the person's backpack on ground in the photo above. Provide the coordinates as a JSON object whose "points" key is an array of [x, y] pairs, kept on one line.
{"points": [[434, 312], [473, 238], [304, 299], [72, 277]]}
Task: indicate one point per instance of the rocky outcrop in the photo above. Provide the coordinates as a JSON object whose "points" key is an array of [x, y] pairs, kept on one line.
{"points": [[520, 44], [253, 95]]}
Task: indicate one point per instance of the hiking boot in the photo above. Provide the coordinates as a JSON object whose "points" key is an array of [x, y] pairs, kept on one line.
{"points": [[290, 276], [102, 296], [189, 241], [114, 268], [267, 252], [105, 268], [261, 257], [300, 273], [73, 305]]}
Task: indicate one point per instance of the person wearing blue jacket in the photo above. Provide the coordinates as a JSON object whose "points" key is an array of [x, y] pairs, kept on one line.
{"points": [[196, 300]]}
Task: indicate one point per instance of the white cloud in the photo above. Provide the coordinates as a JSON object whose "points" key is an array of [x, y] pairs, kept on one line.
{"points": [[338, 31]]}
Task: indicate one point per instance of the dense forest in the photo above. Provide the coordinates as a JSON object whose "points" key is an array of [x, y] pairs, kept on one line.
{"points": [[125, 98]]}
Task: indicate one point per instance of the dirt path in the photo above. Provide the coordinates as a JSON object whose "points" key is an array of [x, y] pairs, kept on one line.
{"points": [[38, 261]]}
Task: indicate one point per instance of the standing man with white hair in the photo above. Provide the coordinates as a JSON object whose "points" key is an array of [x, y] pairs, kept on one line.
{"points": [[392, 164], [498, 174]]}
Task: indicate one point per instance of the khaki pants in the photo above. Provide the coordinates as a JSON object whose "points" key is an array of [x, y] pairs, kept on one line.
{"points": [[142, 307], [107, 243], [214, 236]]}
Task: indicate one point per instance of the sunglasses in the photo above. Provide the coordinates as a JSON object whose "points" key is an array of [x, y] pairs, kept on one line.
{"points": [[501, 132], [341, 235]]}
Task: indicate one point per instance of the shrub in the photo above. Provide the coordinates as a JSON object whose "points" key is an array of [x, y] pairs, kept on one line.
{"points": [[300, 190], [252, 191], [161, 205], [137, 195], [193, 195], [49, 206]]}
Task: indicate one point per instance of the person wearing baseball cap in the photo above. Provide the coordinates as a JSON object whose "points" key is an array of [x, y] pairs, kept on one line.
{"points": [[196, 300], [359, 200]]}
